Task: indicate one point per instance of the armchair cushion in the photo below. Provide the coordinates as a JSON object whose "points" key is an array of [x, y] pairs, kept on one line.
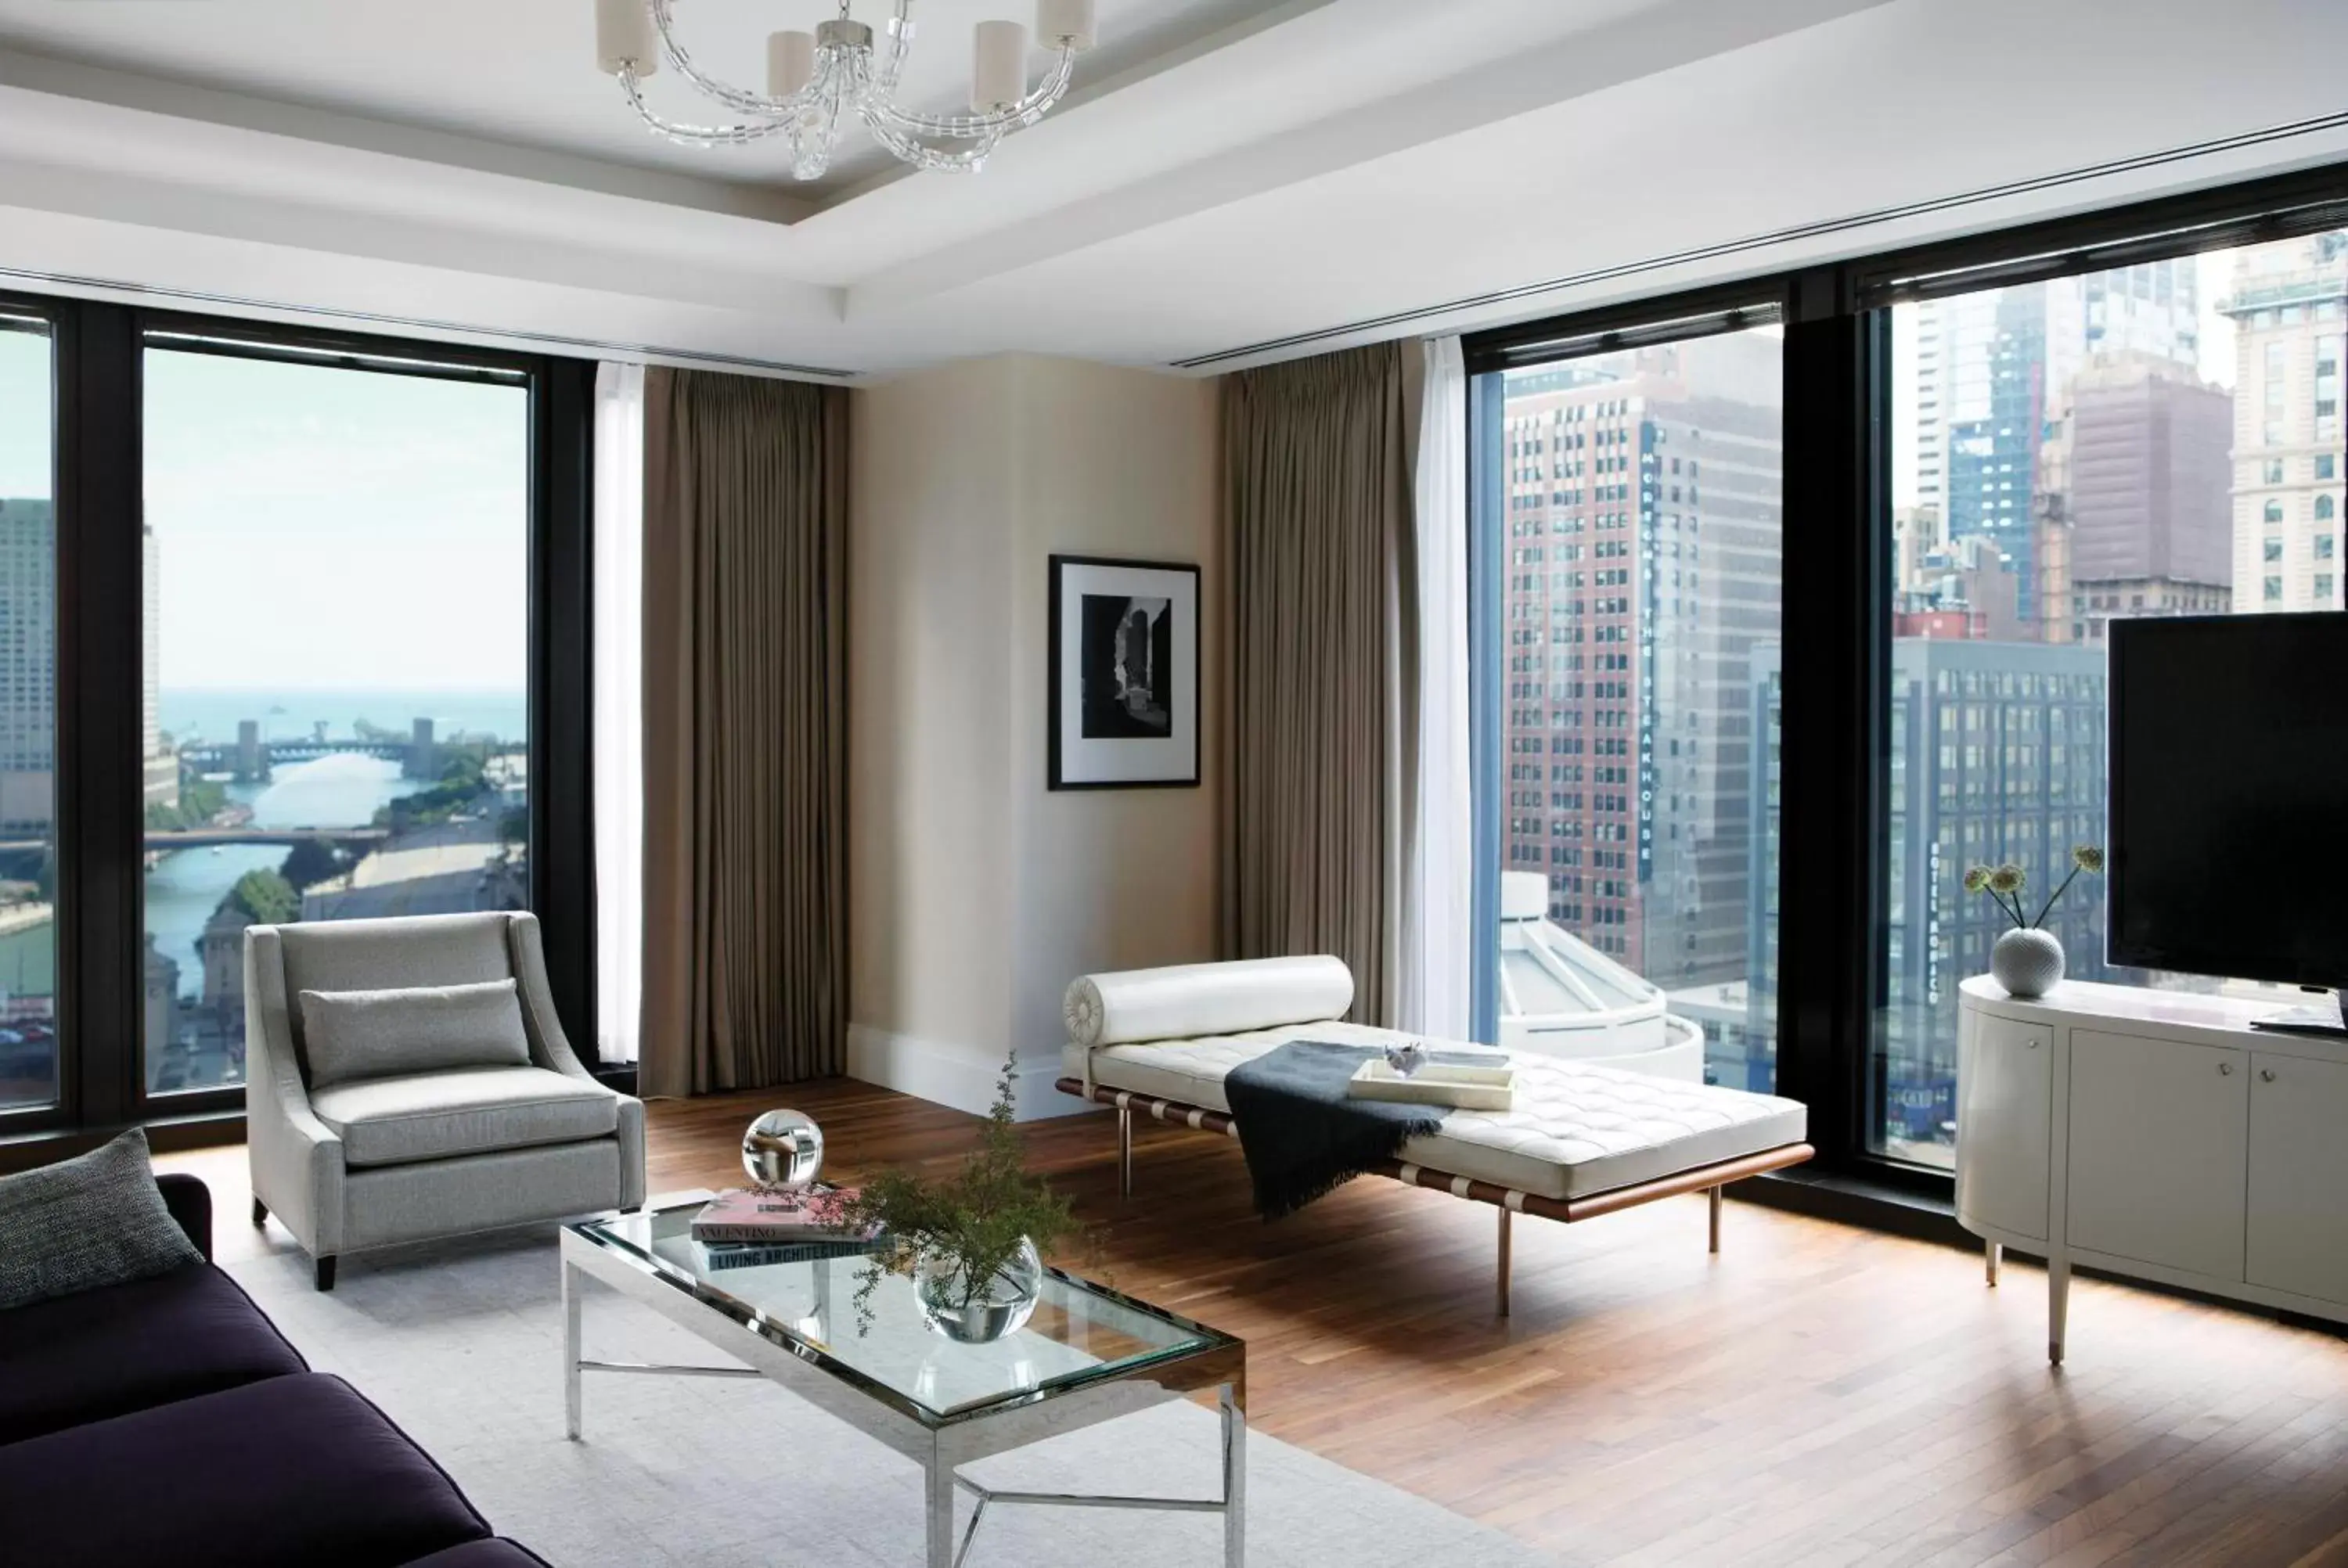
{"points": [[420, 1029], [90, 1221], [464, 1110]]}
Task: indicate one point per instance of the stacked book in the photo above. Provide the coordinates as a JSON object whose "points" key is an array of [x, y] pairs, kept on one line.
{"points": [[743, 1228]]}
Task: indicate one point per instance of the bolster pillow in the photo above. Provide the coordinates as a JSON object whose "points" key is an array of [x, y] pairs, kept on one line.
{"points": [[1189, 999]]}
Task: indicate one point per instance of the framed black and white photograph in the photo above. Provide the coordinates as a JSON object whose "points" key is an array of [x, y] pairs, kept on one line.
{"points": [[1123, 673]]}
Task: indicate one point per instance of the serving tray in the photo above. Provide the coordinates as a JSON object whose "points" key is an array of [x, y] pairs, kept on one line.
{"points": [[1437, 1083]]}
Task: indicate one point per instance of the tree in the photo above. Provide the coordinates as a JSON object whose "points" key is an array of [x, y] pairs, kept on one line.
{"points": [[266, 897], [309, 863]]}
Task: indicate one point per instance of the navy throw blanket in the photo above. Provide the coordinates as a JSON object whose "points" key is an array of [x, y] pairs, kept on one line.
{"points": [[1303, 1135]]}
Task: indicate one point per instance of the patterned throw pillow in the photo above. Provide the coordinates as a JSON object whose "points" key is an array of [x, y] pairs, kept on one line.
{"points": [[91, 1221]]}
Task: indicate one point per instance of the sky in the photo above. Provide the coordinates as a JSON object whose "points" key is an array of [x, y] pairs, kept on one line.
{"points": [[317, 529]]}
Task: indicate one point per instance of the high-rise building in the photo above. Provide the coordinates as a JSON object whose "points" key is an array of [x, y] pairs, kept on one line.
{"points": [[1992, 370], [2147, 478], [1967, 582], [28, 666], [163, 767], [2287, 301], [1644, 567], [1915, 533]]}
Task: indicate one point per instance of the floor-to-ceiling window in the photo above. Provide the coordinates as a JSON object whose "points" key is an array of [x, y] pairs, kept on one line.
{"points": [[2157, 438], [335, 563], [29, 1061], [1638, 500], [1791, 601], [293, 626]]}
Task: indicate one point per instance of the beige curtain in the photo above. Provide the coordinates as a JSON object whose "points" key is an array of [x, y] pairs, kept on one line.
{"points": [[1318, 545], [746, 737]]}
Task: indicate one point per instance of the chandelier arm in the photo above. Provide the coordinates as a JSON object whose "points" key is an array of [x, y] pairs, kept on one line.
{"points": [[739, 100], [965, 160], [695, 135], [879, 111], [891, 67]]}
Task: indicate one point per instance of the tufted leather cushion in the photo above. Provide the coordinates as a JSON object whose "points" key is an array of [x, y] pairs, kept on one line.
{"points": [[1187, 1000], [1576, 1129]]}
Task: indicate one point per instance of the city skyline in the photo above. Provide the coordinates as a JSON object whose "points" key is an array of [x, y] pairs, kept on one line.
{"points": [[2214, 363]]}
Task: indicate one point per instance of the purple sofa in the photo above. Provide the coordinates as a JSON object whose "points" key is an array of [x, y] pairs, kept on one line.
{"points": [[166, 1420]]}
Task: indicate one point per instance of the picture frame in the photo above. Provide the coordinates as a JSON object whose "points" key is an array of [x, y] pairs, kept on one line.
{"points": [[1122, 686]]}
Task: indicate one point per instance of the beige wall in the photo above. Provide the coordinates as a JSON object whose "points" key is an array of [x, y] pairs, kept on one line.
{"points": [[975, 894]]}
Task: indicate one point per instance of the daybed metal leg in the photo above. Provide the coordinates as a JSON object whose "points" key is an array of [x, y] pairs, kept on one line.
{"points": [[1505, 1249], [1993, 1253], [2058, 1306], [1125, 1151], [1715, 1194]]}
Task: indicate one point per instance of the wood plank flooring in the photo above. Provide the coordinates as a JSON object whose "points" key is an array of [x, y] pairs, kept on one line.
{"points": [[1815, 1395]]}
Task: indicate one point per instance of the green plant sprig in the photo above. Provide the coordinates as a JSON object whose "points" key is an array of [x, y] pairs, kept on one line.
{"points": [[978, 1216]]}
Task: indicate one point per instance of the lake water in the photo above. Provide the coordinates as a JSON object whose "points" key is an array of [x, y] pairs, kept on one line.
{"points": [[187, 886]]}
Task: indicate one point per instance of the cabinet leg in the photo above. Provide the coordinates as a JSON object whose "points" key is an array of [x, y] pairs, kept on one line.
{"points": [[2058, 1306], [1994, 1252]]}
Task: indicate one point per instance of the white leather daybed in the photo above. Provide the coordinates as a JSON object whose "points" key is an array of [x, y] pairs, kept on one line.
{"points": [[1581, 1140]]}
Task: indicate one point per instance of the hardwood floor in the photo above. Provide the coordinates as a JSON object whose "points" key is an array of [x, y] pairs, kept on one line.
{"points": [[1815, 1395]]}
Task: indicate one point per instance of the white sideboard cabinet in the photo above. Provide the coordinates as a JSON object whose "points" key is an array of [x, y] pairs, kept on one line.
{"points": [[2154, 1134]]}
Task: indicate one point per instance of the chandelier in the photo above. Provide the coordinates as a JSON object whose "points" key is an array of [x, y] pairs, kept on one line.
{"points": [[816, 81]]}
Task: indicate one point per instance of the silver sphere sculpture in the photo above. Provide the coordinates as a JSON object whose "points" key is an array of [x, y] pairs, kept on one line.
{"points": [[783, 1150]]}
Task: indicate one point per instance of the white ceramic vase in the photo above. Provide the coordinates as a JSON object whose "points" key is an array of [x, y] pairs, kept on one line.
{"points": [[2028, 962]]}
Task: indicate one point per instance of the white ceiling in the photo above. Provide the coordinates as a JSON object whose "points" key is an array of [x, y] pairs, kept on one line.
{"points": [[1226, 174], [521, 71]]}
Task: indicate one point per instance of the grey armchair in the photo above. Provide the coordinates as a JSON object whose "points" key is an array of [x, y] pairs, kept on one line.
{"points": [[371, 1162]]}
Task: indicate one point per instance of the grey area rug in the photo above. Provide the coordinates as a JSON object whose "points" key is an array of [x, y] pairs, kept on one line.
{"points": [[461, 1344]]}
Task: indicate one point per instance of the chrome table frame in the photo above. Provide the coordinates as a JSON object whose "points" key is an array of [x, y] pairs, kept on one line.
{"points": [[941, 1444]]}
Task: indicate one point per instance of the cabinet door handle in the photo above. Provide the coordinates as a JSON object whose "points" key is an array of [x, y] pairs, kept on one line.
{"points": [[2225, 1069], [2266, 1075]]}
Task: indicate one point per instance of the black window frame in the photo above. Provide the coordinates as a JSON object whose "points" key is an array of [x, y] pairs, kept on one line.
{"points": [[1835, 733], [97, 364]]}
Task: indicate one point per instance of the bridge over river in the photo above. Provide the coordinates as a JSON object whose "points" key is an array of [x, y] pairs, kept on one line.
{"points": [[164, 839], [222, 755]]}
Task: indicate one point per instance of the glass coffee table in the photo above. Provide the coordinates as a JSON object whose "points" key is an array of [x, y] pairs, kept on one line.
{"points": [[1088, 1354]]}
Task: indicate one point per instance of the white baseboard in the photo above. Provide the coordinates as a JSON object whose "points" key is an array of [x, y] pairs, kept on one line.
{"points": [[960, 1076]]}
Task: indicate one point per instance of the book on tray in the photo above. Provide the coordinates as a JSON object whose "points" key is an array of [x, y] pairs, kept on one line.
{"points": [[720, 1255], [741, 1214]]}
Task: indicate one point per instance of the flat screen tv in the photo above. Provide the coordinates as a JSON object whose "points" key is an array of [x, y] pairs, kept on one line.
{"points": [[2230, 797]]}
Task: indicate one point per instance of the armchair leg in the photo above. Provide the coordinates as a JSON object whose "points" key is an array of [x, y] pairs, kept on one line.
{"points": [[325, 1269], [260, 1212]]}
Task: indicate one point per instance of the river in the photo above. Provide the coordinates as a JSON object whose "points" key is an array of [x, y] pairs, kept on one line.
{"points": [[187, 885]]}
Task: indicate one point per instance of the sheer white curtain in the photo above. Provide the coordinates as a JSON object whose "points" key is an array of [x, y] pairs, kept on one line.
{"points": [[619, 658], [1435, 993]]}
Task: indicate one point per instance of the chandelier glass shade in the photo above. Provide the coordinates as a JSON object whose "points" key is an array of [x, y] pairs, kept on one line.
{"points": [[819, 82]]}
